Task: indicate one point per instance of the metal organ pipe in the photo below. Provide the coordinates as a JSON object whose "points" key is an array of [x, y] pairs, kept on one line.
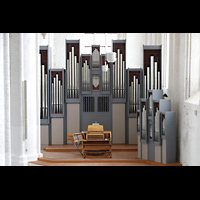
{"points": [[145, 86], [75, 76], [134, 94], [70, 78], [59, 95], [118, 73], [123, 79], [156, 72], [72, 66], [157, 124], [43, 90], [46, 91], [114, 80], [54, 94], [143, 122], [158, 80], [152, 71], [61, 99]]}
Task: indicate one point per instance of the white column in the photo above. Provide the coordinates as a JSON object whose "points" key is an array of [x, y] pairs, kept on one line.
{"points": [[7, 116], [38, 89], [24, 65], [2, 127], [16, 72], [30, 55]]}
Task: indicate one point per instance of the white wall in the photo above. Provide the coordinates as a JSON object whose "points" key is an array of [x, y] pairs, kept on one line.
{"points": [[188, 125]]}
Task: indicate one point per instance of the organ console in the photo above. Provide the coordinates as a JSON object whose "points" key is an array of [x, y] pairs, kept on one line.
{"points": [[95, 141]]}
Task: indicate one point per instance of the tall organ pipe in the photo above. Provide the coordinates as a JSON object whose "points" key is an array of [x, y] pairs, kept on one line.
{"points": [[113, 80], [145, 86], [158, 80], [120, 81], [75, 76], [43, 90], [72, 66], [56, 92], [132, 97], [61, 99], [70, 73], [59, 95], [77, 79], [152, 71], [134, 93], [156, 72], [54, 95], [148, 80], [143, 122], [123, 78], [118, 74], [46, 91]]}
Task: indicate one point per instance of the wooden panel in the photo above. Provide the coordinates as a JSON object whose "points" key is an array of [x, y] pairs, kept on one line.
{"points": [[44, 136], [57, 130], [70, 137], [164, 151], [132, 131], [158, 154], [73, 118], [144, 151], [118, 123]]}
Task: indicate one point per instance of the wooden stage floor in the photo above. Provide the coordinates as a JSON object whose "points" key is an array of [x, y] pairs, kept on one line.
{"points": [[68, 155]]}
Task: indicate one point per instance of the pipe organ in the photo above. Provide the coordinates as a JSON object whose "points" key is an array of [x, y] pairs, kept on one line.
{"points": [[128, 103]]}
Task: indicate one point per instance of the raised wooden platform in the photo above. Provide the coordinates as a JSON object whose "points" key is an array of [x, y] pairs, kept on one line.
{"points": [[72, 148], [68, 155]]}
